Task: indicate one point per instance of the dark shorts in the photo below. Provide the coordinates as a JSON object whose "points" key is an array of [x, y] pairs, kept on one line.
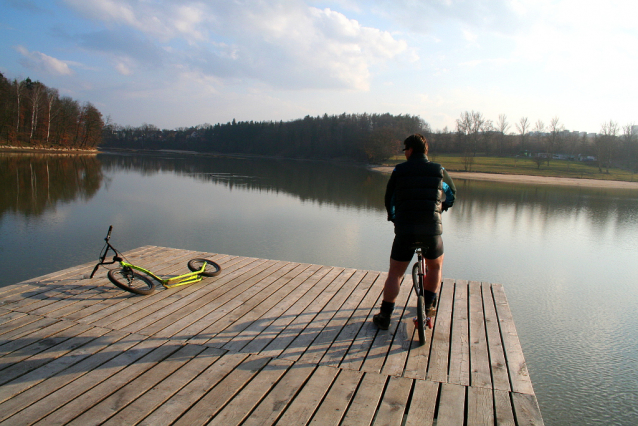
{"points": [[404, 245]]}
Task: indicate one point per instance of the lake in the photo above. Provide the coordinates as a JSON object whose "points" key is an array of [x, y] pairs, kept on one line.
{"points": [[565, 255]]}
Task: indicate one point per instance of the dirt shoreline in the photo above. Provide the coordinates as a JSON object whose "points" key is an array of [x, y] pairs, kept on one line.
{"points": [[537, 180]]}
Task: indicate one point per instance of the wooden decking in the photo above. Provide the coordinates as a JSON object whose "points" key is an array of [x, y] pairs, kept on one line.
{"points": [[265, 342]]}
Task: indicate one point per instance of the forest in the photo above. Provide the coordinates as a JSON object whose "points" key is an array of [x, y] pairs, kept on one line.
{"points": [[34, 115], [358, 137]]}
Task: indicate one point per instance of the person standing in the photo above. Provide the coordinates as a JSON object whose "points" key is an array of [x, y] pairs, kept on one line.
{"points": [[417, 193]]}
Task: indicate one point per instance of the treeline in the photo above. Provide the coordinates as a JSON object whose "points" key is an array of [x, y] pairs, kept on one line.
{"points": [[473, 134], [34, 115], [360, 137]]}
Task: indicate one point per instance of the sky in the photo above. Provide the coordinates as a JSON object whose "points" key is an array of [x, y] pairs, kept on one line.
{"points": [[184, 63]]}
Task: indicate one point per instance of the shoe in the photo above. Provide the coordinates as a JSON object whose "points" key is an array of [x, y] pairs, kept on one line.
{"points": [[431, 311], [382, 322]]}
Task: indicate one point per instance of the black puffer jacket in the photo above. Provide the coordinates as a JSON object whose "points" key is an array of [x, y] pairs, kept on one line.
{"points": [[414, 196]]}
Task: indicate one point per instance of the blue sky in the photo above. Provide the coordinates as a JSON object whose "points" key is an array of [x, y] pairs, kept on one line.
{"points": [[183, 63]]}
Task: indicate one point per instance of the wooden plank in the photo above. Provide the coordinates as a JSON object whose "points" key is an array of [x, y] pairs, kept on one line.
{"points": [[140, 314], [183, 302], [498, 365], [239, 408], [48, 292], [375, 359], [268, 312], [417, 363], [26, 389], [503, 408], [318, 348], [311, 328], [438, 366], [105, 298], [519, 376], [394, 402], [480, 361], [293, 329], [423, 403], [526, 410], [35, 336], [189, 395], [203, 329], [360, 347], [337, 399], [364, 404], [357, 320], [250, 282], [74, 290], [47, 350], [460, 344], [14, 328], [243, 316], [480, 407], [451, 405], [400, 347], [271, 407], [156, 396], [89, 397], [99, 289], [106, 408], [259, 335], [308, 399], [57, 391], [8, 316], [113, 309], [207, 407]]}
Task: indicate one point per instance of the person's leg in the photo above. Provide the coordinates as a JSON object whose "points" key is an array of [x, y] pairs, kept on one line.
{"points": [[392, 284], [435, 272], [391, 290], [432, 281]]}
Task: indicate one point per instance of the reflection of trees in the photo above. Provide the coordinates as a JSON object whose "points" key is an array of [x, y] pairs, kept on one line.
{"points": [[33, 183], [547, 203], [322, 182]]}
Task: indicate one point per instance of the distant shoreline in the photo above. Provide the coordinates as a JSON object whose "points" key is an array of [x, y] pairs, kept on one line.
{"points": [[492, 177], [40, 150], [528, 179]]}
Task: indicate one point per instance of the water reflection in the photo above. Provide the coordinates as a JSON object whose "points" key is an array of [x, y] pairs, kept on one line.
{"points": [[34, 183], [316, 181], [546, 204]]}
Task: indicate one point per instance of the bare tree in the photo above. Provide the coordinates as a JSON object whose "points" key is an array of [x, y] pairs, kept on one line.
{"points": [[539, 134], [630, 141], [606, 144], [523, 127], [19, 92], [554, 139], [463, 131], [51, 101], [35, 93], [501, 127]]}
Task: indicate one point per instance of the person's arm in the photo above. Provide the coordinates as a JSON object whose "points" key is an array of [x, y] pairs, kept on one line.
{"points": [[450, 190], [389, 197]]}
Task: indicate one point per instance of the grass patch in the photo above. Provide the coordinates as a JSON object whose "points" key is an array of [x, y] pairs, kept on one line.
{"points": [[526, 166]]}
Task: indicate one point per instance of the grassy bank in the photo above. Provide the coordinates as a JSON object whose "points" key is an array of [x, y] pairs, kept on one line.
{"points": [[526, 166]]}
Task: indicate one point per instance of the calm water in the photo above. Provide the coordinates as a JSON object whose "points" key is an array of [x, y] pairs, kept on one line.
{"points": [[566, 256]]}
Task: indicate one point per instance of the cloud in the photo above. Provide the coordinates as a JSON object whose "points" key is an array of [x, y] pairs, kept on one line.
{"points": [[500, 16], [283, 44], [41, 62]]}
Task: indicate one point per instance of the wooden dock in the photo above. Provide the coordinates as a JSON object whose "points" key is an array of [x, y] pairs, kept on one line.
{"points": [[265, 342]]}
